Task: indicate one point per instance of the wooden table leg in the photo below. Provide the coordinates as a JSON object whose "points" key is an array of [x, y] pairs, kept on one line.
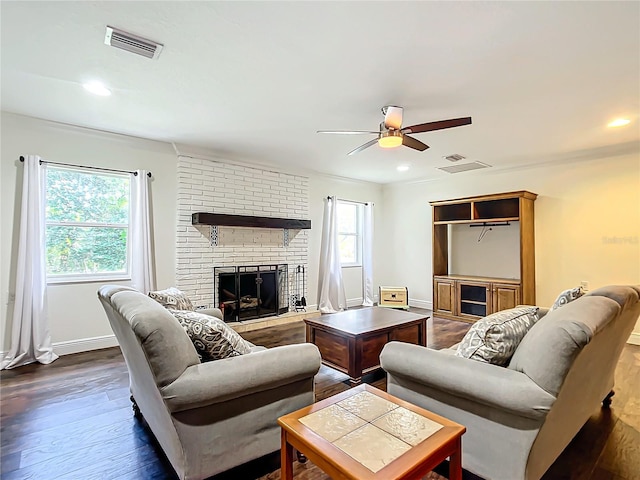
{"points": [[286, 458], [455, 462]]}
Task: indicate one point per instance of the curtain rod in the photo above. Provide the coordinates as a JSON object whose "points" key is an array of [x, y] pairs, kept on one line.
{"points": [[87, 167], [348, 201]]}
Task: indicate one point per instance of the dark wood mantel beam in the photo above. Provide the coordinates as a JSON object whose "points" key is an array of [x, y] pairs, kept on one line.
{"points": [[222, 219]]}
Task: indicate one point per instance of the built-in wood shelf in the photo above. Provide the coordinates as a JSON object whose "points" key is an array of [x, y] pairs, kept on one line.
{"points": [[467, 297], [222, 219]]}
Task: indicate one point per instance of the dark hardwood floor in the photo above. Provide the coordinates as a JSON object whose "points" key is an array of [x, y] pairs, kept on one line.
{"points": [[73, 420]]}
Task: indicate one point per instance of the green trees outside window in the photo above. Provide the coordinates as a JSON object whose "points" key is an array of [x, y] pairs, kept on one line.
{"points": [[87, 222]]}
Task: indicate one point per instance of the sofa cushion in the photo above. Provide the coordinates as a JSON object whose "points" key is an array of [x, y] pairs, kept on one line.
{"points": [[547, 352], [172, 299], [494, 339], [212, 338], [567, 296], [157, 332]]}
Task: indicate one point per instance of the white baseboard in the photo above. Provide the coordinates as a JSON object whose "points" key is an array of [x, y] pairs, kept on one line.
{"points": [[634, 338], [354, 302], [81, 345], [421, 303], [85, 344]]}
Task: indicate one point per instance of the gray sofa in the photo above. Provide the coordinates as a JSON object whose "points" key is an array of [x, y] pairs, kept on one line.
{"points": [[519, 418], [207, 417]]}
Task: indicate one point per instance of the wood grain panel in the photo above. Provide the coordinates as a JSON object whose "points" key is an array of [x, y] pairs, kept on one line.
{"points": [[333, 348], [504, 297], [408, 334], [371, 348], [440, 249], [527, 252]]}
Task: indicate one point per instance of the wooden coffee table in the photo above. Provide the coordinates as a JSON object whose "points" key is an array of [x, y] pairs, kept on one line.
{"points": [[351, 341], [367, 434]]}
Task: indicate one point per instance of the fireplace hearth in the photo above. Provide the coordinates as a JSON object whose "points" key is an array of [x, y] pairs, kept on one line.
{"points": [[246, 292]]}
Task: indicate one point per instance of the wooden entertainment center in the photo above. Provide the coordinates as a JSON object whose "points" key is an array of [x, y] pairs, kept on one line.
{"points": [[468, 298]]}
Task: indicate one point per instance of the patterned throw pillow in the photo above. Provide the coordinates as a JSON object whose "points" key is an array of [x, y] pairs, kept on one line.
{"points": [[212, 338], [494, 339], [172, 299], [567, 296]]}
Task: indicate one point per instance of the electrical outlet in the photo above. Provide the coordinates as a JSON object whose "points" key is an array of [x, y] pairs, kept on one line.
{"points": [[585, 285]]}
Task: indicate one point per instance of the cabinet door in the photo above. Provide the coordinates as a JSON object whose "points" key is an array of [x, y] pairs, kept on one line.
{"points": [[474, 299], [505, 296], [444, 296]]}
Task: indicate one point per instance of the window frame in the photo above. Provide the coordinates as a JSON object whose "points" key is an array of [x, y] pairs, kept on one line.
{"points": [[358, 233], [69, 278]]}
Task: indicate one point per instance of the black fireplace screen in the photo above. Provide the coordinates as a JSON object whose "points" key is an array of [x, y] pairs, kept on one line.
{"points": [[246, 292]]}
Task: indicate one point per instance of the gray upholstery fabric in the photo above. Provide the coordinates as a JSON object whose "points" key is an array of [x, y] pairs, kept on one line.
{"points": [[547, 352], [158, 333], [518, 422], [501, 388], [222, 417], [244, 375]]}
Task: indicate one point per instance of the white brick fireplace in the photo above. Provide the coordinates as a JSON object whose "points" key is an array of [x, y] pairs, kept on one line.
{"points": [[224, 188]]}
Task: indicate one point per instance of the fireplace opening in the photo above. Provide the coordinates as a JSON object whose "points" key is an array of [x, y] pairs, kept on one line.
{"points": [[246, 292]]}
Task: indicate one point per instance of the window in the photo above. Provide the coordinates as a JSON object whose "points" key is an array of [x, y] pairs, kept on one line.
{"points": [[350, 233], [87, 225]]}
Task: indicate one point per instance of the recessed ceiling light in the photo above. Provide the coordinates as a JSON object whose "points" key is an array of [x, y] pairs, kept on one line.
{"points": [[619, 122], [402, 168], [97, 88]]}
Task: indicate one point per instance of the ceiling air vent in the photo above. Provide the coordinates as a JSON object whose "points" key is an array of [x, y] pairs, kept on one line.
{"points": [[132, 43], [454, 157], [464, 167]]}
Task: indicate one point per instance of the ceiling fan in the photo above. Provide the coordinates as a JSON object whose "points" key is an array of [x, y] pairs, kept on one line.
{"points": [[392, 134]]}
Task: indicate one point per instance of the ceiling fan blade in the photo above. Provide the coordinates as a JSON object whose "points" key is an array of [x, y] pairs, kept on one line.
{"points": [[362, 147], [411, 142], [393, 117], [428, 127], [346, 132]]}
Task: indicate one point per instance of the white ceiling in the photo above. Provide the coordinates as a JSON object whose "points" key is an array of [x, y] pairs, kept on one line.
{"points": [[253, 81]]}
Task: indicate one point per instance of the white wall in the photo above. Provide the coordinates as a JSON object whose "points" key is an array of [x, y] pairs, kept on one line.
{"points": [[319, 188], [587, 223], [468, 256], [77, 320]]}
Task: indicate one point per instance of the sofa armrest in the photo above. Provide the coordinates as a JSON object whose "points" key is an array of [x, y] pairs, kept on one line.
{"points": [[491, 385], [221, 380], [213, 312]]}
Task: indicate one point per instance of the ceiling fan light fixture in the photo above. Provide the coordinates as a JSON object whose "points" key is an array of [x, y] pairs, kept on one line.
{"points": [[390, 139]]}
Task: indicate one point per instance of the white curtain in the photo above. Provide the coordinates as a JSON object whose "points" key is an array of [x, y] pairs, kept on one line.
{"points": [[331, 295], [142, 266], [367, 255], [30, 337]]}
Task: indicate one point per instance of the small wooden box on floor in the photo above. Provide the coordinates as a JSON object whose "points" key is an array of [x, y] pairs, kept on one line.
{"points": [[394, 297]]}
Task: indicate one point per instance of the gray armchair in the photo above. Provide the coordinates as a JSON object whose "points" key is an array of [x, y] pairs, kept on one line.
{"points": [[207, 417], [521, 417]]}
